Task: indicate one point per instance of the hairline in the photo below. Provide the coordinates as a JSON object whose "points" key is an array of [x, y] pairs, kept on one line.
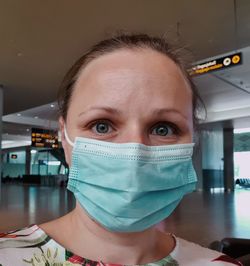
{"points": [[98, 54], [134, 42]]}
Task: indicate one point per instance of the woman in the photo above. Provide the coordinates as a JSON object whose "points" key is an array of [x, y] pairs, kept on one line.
{"points": [[127, 121]]}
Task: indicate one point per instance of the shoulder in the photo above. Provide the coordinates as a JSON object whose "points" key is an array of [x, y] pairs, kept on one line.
{"points": [[188, 253], [25, 246]]}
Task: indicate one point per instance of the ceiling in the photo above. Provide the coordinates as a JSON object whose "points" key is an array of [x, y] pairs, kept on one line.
{"points": [[41, 39]]}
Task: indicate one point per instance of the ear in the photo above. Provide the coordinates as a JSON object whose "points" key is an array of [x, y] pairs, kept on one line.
{"points": [[66, 147], [61, 128]]}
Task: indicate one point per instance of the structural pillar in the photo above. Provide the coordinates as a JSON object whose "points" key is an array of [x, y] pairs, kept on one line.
{"points": [[212, 154], [197, 161], [27, 160], [228, 141]]}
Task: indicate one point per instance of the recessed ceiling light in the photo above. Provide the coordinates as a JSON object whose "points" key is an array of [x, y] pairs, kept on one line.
{"points": [[35, 117], [27, 129], [52, 105], [18, 114]]}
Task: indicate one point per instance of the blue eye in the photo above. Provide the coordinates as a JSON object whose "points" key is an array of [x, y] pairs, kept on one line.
{"points": [[163, 130], [101, 128]]}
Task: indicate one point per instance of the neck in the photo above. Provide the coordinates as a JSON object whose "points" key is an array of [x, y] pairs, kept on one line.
{"points": [[113, 247]]}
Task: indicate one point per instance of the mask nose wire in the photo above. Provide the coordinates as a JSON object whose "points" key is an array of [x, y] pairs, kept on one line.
{"points": [[67, 137]]}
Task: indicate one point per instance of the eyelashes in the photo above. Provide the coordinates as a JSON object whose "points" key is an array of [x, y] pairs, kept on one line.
{"points": [[165, 129], [101, 127], [104, 127]]}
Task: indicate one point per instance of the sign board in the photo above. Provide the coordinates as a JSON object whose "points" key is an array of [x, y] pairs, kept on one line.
{"points": [[44, 138], [216, 64]]}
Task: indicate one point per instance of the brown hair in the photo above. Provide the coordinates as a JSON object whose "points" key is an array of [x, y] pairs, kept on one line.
{"points": [[129, 41]]}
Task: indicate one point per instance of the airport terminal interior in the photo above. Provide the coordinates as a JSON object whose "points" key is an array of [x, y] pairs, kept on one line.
{"points": [[41, 39]]}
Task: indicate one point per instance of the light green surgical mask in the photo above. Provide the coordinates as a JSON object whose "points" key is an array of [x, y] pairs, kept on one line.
{"points": [[129, 187]]}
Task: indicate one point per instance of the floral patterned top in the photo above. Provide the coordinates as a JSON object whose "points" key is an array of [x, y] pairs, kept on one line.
{"points": [[31, 246]]}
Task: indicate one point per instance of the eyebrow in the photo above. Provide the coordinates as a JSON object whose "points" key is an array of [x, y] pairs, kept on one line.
{"points": [[107, 109], [114, 111], [161, 111]]}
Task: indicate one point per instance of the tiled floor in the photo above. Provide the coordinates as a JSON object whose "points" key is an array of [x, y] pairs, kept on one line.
{"points": [[201, 217]]}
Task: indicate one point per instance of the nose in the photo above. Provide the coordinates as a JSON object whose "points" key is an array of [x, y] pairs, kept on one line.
{"points": [[134, 135]]}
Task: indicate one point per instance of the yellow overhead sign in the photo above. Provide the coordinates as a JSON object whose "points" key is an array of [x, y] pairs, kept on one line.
{"points": [[44, 138], [216, 64]]}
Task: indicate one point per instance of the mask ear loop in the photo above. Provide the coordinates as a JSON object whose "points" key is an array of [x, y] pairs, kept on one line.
{"points": [[67, 137]]}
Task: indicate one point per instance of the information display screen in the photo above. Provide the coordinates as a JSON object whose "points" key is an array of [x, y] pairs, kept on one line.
{"points": [[44, 138], [216, 64]]}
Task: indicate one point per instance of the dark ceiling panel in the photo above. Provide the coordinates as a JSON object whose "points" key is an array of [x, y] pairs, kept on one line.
{"points": [[41, 39]]}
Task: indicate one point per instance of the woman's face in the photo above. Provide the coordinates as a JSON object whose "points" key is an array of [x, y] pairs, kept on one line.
{"points": [[135, 95]]}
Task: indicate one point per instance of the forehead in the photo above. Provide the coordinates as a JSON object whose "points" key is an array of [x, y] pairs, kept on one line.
{"points": [[143, 61], [130, 76]]}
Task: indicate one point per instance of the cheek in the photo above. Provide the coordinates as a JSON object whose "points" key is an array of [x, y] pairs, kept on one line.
{"points": [[190, 123], [188, 135], [191, 133]]}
